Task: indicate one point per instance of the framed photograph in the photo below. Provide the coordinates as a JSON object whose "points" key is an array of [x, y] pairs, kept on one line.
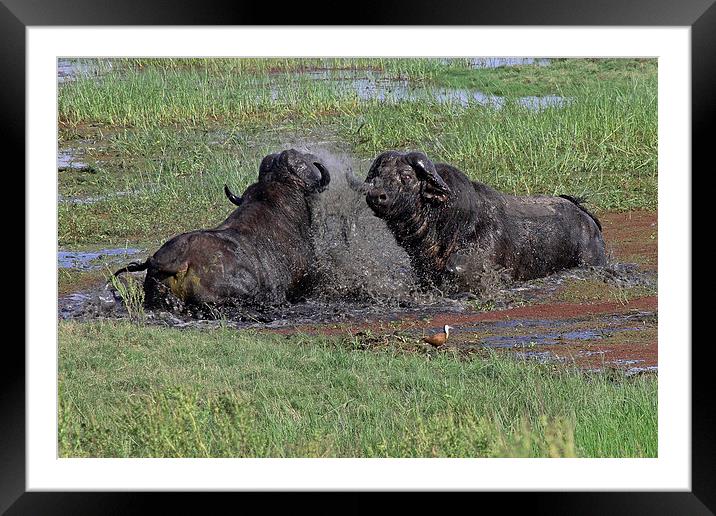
{"points": [[359, 258]]}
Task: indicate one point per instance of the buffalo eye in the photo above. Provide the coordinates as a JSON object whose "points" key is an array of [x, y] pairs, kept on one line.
{"points": [[406, 178]]}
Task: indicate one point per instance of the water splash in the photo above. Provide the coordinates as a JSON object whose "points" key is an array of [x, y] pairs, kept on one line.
{"points": [[358, 257], [365, 274]]}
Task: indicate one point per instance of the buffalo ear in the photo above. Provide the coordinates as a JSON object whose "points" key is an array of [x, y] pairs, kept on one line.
{"points": [[434, 185], [266, 166], [430, 192], [325, 176]]}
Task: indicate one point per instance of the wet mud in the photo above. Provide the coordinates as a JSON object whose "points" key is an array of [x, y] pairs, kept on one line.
{"points": [[632, 237], [593, 317], [609, 336]]}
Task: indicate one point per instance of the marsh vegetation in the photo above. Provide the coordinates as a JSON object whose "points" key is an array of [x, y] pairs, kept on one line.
{"points": [[145, 148]]}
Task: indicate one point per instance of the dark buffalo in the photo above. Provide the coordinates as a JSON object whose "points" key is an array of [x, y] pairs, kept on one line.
{"points": [[261, 254], [439, 217], [266, 173]]}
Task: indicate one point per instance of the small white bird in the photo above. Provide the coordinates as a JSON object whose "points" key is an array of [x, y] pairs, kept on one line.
{"points": [[439, 339]]}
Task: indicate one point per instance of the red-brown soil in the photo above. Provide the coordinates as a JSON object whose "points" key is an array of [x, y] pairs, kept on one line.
{"points": [[632, 237], [610, 333]]}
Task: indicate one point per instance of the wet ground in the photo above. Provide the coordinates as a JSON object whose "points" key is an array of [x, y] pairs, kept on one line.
{"points": [[86, 260], [594, 318], [603, 335], [69, 69], [368, 85]]}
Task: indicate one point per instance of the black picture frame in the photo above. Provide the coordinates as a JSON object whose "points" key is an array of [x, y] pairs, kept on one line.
{"points": [[700, 15]]}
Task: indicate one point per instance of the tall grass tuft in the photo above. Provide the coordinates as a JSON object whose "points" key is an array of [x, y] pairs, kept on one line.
{"points": [[131, 292]]}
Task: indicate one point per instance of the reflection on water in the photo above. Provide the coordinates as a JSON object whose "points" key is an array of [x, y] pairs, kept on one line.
{"points": [[86, 260], [367, 84], [68, 69], [67, 160], [396, 90]]}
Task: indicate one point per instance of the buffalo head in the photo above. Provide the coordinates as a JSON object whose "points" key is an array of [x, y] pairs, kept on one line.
{"points": [[300, 169], [290, 166], [398, 182]]}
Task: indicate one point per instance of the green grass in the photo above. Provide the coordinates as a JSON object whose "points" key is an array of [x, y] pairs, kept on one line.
{"points": [[560, 77], [193, 92], [172, 132], [127, 390], [603, 146], [169, 133], [527, 79]]}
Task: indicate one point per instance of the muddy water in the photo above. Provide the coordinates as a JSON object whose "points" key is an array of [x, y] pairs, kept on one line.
{"points": [[625, 341], [87, 260], [374, 85], [368, 285], [70, 158]]}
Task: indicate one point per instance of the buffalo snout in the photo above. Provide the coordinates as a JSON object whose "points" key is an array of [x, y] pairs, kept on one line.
{"points": [[377, 197]]}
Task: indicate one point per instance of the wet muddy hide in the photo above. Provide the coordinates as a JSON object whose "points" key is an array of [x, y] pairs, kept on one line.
{"points": [[262, 254], [458, 231]]}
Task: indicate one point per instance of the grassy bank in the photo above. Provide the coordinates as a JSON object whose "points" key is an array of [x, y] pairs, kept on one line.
{"points": [[559, 77], [490, 75], [127, 390], [160, 138], [169, 133]]}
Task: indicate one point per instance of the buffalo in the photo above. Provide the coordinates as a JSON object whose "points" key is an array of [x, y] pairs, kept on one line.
{"points": [[441, 218], [261, 254]]}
